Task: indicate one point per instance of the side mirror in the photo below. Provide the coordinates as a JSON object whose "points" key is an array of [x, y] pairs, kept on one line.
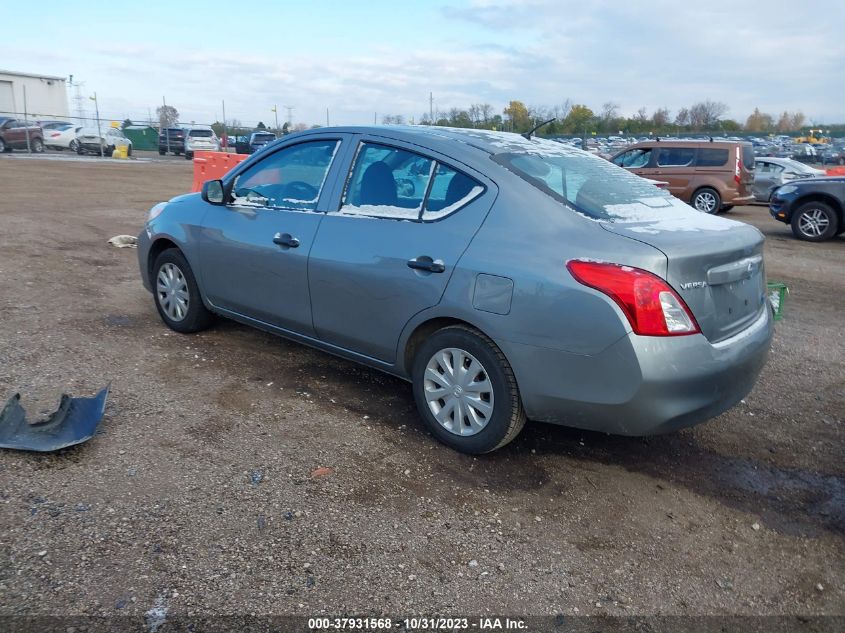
{"points": [[212, 191]]}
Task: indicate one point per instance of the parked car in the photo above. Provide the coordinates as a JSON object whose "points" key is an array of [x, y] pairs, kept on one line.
{"points": [[14, 134], [711, 176], [104, 140], [200, 138], [62, 137], [813, 208], [254, 142], [522, 279], [770, 173], [832, 156], [171, 139]]}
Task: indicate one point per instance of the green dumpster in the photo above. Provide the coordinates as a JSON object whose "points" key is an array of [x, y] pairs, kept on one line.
{"points": [[142, 136]]}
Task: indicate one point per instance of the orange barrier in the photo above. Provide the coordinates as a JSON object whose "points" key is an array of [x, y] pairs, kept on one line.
{"points": [[212, 165], [836, 171]]}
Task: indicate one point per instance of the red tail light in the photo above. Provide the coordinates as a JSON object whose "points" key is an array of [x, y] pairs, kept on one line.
{"points": [[738, 164], [55, 134], [653, 308]]}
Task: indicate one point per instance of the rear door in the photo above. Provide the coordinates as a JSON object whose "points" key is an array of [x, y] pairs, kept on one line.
{"points": [[401, 223], [676, 166]]}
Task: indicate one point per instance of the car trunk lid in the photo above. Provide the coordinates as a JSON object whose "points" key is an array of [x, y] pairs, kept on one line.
{"points": [[714, 264]]}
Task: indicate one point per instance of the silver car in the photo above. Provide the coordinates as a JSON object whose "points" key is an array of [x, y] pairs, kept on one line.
{"points": [[771, 172], [505, 278]]}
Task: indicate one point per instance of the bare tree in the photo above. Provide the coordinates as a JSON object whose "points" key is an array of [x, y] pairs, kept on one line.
{"points": [[705, 115], [683, 117], [561, 111], [609, 111], [641, 116], [168, 116], [486, 111], [660, 118]]}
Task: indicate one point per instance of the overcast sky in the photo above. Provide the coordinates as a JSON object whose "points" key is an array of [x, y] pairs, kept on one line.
{"points": [[357, 58]]}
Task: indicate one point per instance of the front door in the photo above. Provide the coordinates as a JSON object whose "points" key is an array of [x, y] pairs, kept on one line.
{"points": [[388, 253], [254, 250]]}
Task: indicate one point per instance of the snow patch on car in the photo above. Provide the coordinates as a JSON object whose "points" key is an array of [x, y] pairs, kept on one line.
{"points": [[657, 214]]}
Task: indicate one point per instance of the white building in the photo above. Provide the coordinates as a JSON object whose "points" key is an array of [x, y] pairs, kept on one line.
{"points": [[46, 96]]}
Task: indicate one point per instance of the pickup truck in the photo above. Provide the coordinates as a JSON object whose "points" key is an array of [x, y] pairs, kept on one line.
{"points": [[13, 134]]}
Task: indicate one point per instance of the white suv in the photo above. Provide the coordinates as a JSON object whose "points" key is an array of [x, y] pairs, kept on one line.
{"points": [[200, 138]]}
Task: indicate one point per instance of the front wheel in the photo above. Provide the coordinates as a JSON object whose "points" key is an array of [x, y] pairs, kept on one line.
{"points": [[37, 145], [2, 145], [706, 200], [73, 145], [466, 392], [177, 296], [814, 222]]}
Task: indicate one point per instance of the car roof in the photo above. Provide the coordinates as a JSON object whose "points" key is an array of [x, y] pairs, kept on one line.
{"points": [[448, 140]]}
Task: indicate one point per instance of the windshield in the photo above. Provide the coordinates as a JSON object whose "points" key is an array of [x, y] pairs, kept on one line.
{"points": [[589, 184], [205, 133]]}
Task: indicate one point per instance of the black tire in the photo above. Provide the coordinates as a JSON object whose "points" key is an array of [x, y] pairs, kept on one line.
{"points": [[189, 155], [727, 208], [2, 145], [129, 150], [508, 416], [706, 200], [161, 152], [73, 146], [197, 317], [37, 146], [80, 150], [814, 222], [109, 151]]}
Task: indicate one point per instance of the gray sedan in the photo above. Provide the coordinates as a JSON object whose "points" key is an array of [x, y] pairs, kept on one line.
{"points": [[506, 278], [771, 172]]}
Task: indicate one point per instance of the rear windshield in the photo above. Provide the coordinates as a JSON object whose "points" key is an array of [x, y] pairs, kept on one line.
{"points": [[206, 133], [748, 156], [263, 137], [591, 185]]}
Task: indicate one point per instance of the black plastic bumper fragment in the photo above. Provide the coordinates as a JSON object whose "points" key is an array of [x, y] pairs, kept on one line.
{"points": [[74, 422]]}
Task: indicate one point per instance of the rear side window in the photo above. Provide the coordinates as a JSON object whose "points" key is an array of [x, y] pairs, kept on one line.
{"points": [[450, 190], [711, 157], [675, 156], [290, 178]]}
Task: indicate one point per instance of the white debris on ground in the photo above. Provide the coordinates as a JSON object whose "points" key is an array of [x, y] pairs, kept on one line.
{"points": [[124, 241]]}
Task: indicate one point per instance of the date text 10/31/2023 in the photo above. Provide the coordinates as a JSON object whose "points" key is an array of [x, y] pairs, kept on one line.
{"points": [[417, 624]]}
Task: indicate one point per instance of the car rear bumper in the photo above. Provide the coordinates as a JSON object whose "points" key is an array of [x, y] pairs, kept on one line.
{"points": [[641, 385]]}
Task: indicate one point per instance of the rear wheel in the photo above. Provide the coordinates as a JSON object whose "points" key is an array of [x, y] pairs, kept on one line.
{"points": [[2, 145], [177, 296], [73, 145], [129, 150], [161, 152], [37, 145], [189, 155], [466, 392], [814, 222], [706, 200]]}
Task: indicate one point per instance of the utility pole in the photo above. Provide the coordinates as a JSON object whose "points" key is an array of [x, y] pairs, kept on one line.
{"points": [[289, 108], [161, 127], [275, 111], [25, 122], [375, 114], [78, 99], [225, 133], [431, 107], [99, 132], [327, 117]]}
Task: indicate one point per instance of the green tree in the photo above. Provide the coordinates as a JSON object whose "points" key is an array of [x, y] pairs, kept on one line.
{"points": [[579, 119], [518, 115], [260, 126]]}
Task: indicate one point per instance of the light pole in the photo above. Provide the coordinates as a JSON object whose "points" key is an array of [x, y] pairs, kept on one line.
{"points": [[275, 112], [99, 133]]}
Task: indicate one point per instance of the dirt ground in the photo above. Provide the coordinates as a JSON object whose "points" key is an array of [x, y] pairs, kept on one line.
{"points": [[198, 495]]}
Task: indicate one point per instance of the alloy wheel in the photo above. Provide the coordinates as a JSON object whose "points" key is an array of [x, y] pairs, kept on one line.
{"points": [[705, 201], [172, 291], [458, 391], [813, 222]]}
